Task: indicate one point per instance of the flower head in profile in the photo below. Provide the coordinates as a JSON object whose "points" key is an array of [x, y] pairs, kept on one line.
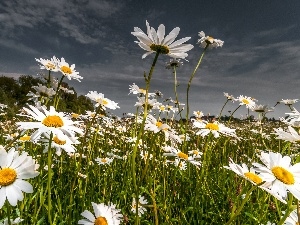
{"points": [[100, 100], [290, 135], [174, 63], [14, 168], [103, 215], [229, 97], [49, 64], [155, 41], [68, 71], [283, 176], [289, 101], [208, 41], [141, 203], [262, 109]]}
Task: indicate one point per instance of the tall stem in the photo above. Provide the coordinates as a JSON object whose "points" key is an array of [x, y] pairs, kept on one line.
{"points": [[175, 90], [190, 82], [49, 179], [141, 131]]}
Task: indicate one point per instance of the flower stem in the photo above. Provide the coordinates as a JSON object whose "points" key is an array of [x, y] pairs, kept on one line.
{"points": [[49, 179], [289, 209], [175, 90], [222, 110], [141, 131], [190, 82], [8, 212]]}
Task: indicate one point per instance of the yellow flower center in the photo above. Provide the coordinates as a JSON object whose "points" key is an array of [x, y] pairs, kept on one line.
{"points": [[158, 124], [25, 138], [7, 176], [160, 48], [101, 221], [212, 126], [245, 101], [162, 108], [58, 141], [53, 121], [104, 102], [195, 152], [50, 66], [103, 160], [75, 115], [66, 69], [209, 40], [252, 176], [182, 155], [283, 175]]}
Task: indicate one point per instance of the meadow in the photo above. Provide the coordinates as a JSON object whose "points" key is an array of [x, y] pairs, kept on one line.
{"points": [[157, 165]]}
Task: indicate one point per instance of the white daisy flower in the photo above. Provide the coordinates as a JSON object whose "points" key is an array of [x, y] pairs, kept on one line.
{"points": [[208, 41], [103, 214], [14, 168], [152, 103], [51, 65], [104, 161], [68, 71], [247, 101], [60, 142], [215, 128], [141, 208], [157, 42], [100, 100], [289, 101], [229, 97], [292, 218], [291, 136], [279, 171], [262, 108], [251, 175], [198, 114], [49, 121], [153, 125], [174, 63]]}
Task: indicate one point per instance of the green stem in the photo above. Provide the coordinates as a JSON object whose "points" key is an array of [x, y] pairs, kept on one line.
{"points": [[49, 179], [222, 110], [190, 82], [237, 212], [55, 104], [175, 90], [233, 113], [141, 131], [289, 209], [8, 212], [298, 211]]}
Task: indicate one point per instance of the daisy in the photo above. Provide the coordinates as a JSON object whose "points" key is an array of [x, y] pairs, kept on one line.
{"points": [[208, 41], [280, 173], [14, 168], [198, 114], [104, 161], [100, 100], [262, 109], [157, 42], [171, 151], [174, 63], [68, 71], [153, 125], [251, 175], [152, 103], [103, 215], [60, 142], [49, 121], [141, 208], [215, 128], [291, 136], [292, 218], [229, 97], [247, 101], [289, 101], [51, 65]]}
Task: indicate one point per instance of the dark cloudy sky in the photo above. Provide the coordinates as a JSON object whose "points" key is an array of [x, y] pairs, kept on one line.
{"points": [[260, 57]]}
